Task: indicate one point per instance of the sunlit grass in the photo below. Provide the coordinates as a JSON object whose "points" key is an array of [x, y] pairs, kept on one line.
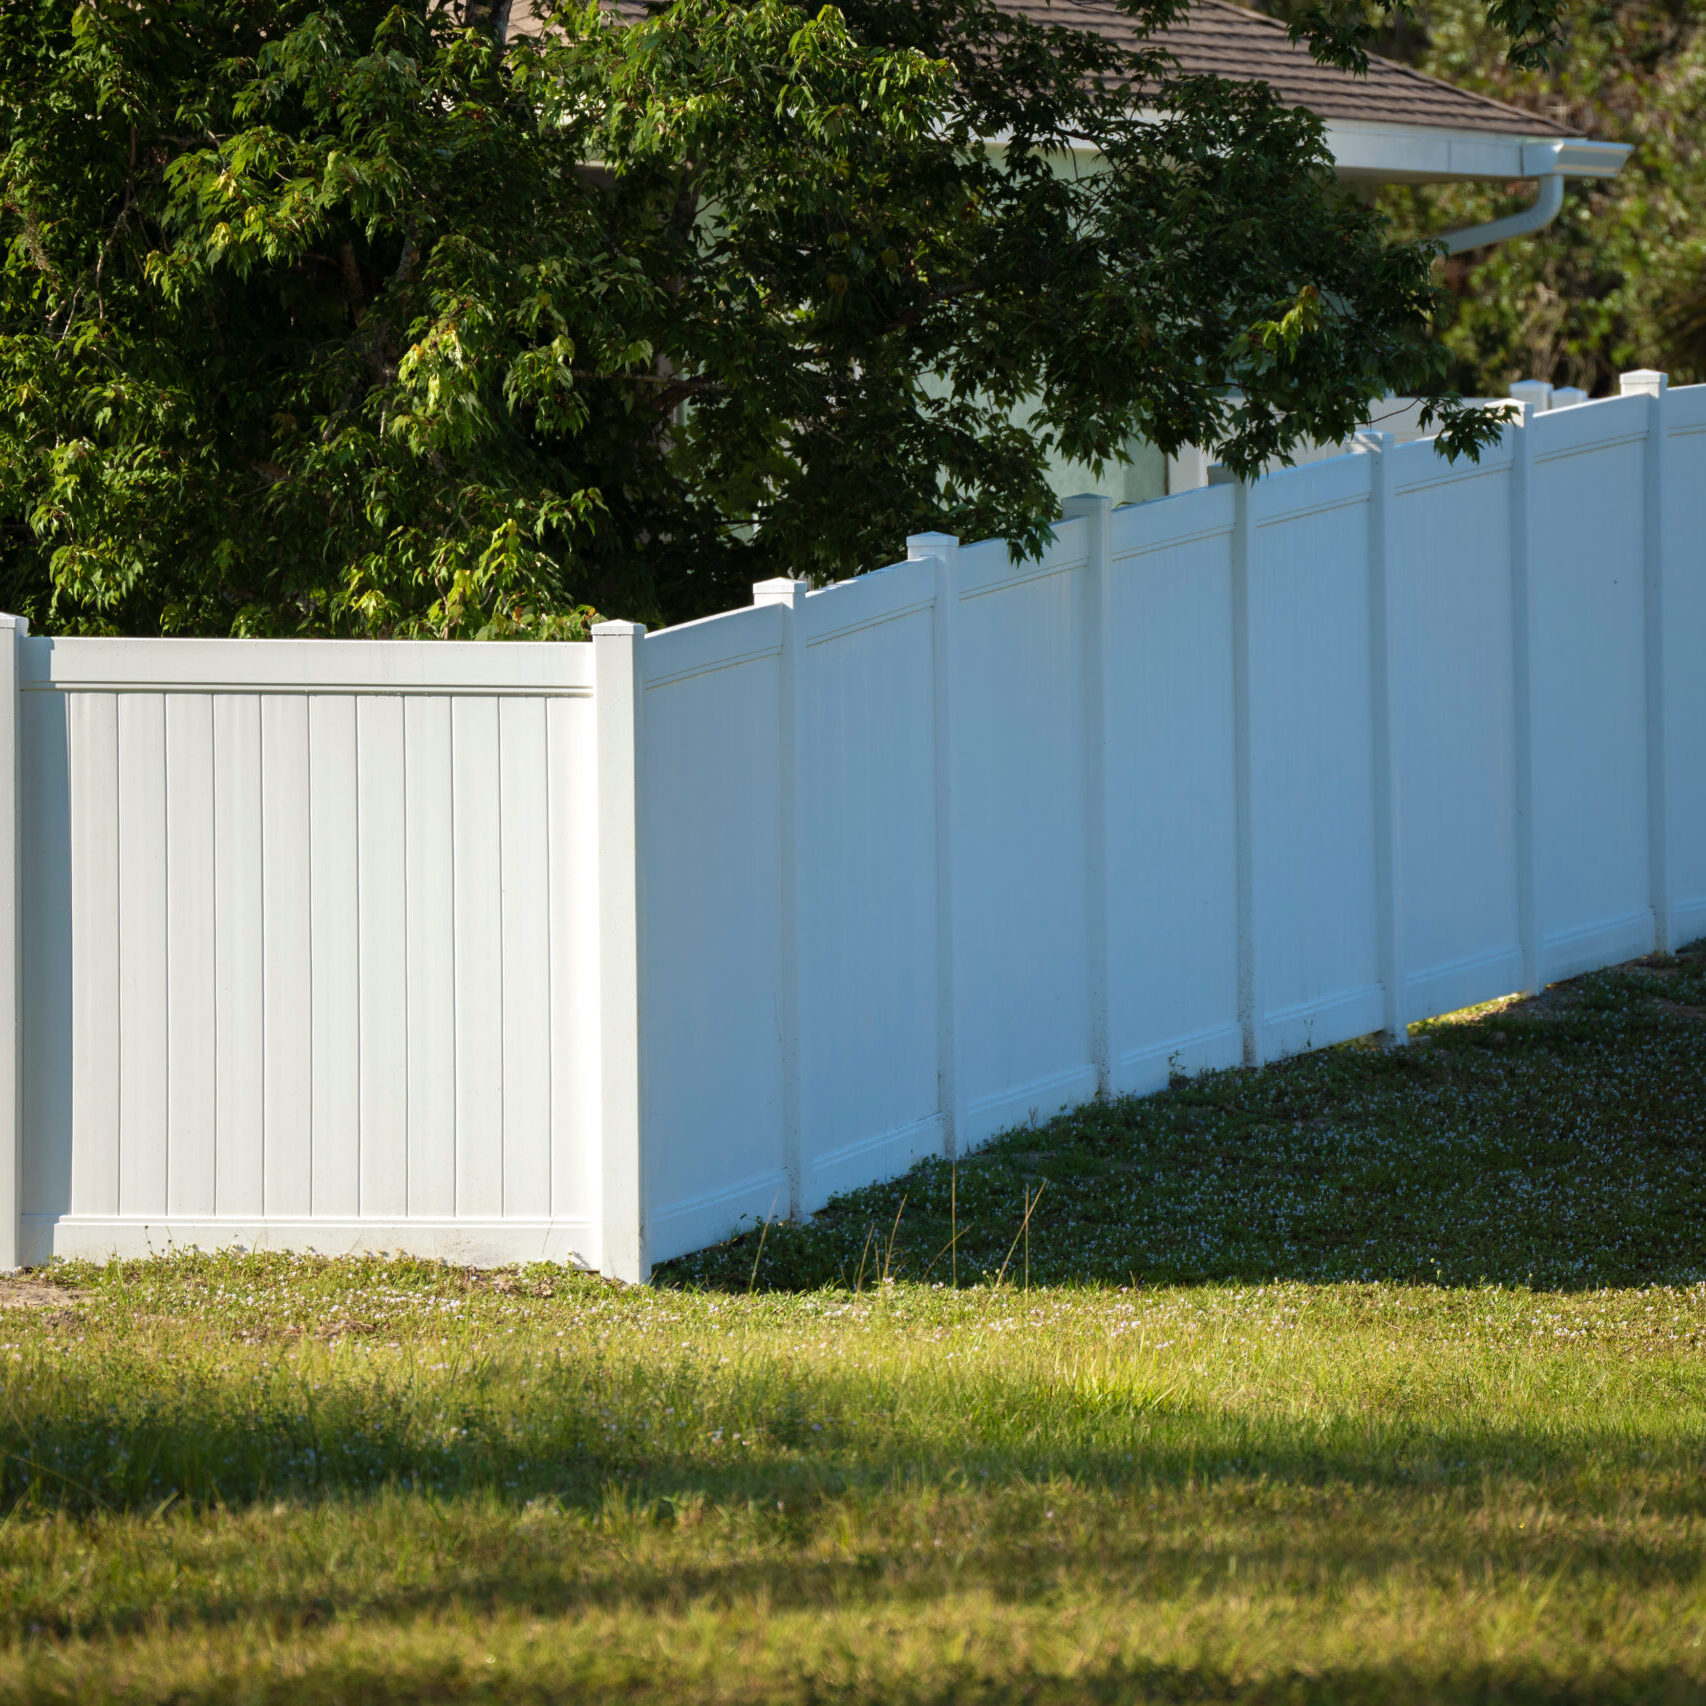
{"points": [[283, 1479]]}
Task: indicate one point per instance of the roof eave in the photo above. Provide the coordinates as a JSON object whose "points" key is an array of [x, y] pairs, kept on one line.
{"points": [[1369, 151]]}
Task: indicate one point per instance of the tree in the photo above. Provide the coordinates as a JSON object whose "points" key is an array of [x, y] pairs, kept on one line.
{"points": [[361, 319], [1617, 280]]}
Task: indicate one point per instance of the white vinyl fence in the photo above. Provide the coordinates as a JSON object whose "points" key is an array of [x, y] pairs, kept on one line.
{"points": [[589, 952]]}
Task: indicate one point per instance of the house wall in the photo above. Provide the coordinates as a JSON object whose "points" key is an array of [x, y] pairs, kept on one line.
{"points": [[595, 951]]}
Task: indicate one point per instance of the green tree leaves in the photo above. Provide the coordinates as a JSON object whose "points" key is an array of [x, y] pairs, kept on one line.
{"points": [[353, 319], [1616, 281]]}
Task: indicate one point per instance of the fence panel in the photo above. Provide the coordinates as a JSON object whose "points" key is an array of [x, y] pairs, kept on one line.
{"points": [[241, 875], [1455, 727], [1312, 807], [710, 824], [1172, 791], [1020, 855], [1586, 581], [868, 946]]}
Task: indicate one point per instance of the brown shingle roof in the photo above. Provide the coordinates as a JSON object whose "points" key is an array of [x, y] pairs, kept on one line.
{"points": [[1227, 41], [1220, 39]]}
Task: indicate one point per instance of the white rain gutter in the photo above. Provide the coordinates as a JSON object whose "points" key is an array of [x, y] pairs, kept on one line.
{"points": [[1551, 163]]}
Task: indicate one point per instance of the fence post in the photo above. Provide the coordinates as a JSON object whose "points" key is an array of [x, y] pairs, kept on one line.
{"points": [[943, 549], [788, 595], [1655, 540], [1097, 513], [1522, 673], [618, 695], [13, 630], [1535, 394], [1383, 640], [1243, 534]]}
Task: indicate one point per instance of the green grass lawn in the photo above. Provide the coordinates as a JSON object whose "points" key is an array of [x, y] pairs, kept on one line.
{"points": [[1368, 1377]]}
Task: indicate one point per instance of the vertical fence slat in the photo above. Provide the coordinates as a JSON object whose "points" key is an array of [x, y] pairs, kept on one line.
{"points": [[942, 548], [142, 953], [430, 889], [787, 594], [382, 784], [93, 761], [618, 694], [1097, 513], [13, 630], [574, 962], [334, 947], [239, 953], [1655, 550], [475, 805], [192, 969], [1383, 642], [526, 959], [287, 1003], [1522, 676]]}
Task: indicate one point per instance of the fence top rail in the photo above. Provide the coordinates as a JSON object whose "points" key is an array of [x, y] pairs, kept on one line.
{"points": [[307, 666]]}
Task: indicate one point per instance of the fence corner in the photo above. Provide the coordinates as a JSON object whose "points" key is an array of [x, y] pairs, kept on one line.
{"points": [[1656, 533], [618, 691]]}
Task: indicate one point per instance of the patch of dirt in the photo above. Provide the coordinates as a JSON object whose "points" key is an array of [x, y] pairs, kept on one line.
{"points": [[51, 1305], [25, 1291], [1681, 1011]]}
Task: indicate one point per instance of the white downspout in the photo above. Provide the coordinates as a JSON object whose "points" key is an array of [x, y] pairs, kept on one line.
{"points": [[1543, 212]]}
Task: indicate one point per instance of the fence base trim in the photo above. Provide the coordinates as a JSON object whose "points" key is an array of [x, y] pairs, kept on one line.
{"points": [[1462, 983], [851, 1166], [1688, 920], [480, 1243], [695, 1223], [1030, 1104], [1142, 1070], [1316, 1024], [1608, 942]]}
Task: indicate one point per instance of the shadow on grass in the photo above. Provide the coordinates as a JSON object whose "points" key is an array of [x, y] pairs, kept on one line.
{"points": [[781, 1542], [1512, 1684], [1559, 1142], [569, 1442]]}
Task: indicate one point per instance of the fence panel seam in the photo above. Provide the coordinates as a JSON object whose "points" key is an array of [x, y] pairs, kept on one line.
{"points": [[1383, 642], [787, 595], [1522, 678], [1656, 389], [942, 549]]}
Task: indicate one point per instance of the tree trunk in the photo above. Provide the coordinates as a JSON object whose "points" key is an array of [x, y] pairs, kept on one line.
{"points": [[489, 15]]}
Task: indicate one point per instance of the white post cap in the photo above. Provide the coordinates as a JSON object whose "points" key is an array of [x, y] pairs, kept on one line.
{"points": [[780, 591], [930, 545]]}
